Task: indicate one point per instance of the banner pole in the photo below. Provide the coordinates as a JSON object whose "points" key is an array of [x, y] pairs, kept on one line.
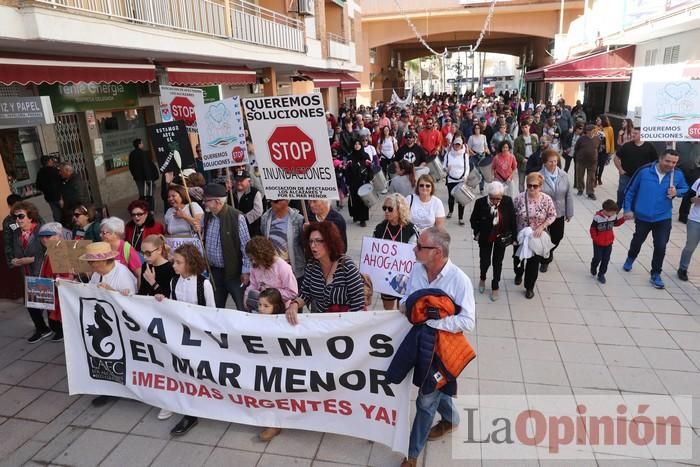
{"points": [[199, 233], [303, 210]]}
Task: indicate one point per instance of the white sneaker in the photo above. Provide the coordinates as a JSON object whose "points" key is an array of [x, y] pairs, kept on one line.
{"points": [[164, 414]]}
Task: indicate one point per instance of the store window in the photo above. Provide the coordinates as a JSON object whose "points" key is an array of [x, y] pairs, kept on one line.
{"points": [[619, 96], [118, 130], [21, 152]]}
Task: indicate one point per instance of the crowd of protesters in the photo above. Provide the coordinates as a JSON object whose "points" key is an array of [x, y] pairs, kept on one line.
{"points": [[269, 257]]}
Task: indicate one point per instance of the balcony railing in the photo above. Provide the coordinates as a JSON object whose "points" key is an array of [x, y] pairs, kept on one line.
{"points": [[249, 22], [338, 47], [258, 25], [200, 16]]}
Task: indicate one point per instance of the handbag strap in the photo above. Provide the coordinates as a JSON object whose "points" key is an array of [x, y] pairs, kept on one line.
{"points": [[527, 210]]}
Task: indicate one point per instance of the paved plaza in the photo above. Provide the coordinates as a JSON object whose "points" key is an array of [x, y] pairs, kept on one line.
{"points": [[575, 337]]}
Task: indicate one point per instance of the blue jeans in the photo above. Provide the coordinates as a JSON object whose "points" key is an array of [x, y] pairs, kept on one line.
{"points": [[223, 287], [621, 187], [426, 406], [691, 243], [660, 231]]}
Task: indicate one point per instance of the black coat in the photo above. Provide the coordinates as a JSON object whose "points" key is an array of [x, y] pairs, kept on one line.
{"points": [[482, 221], [73, 192], [141, 166], [48, 181]]}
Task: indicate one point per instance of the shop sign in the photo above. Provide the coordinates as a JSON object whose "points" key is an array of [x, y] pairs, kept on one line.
{"points": [[82, 96], [18, 112], [211, 93]]}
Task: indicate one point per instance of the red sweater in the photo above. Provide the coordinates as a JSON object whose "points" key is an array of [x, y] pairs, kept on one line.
{"points": [[602, 228]]}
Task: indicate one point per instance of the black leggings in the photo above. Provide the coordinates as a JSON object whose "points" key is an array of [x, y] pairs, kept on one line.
{"points": [[602, 162], [451, 200], [556, 233], [487, 251]]}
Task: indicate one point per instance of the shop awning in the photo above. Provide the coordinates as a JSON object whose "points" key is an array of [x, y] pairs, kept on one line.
{"points": [[612, 65], [27, 69], [194, 74], [323, 79]]}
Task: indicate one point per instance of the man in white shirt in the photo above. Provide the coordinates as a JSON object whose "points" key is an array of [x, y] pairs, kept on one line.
{"points": [[435, 270]]}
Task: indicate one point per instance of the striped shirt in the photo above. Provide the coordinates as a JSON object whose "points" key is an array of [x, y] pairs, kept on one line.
{"points": [[346, 288]]}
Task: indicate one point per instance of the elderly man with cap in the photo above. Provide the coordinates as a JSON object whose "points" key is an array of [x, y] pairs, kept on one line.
{"points": [[225, 233], [248, 200]]}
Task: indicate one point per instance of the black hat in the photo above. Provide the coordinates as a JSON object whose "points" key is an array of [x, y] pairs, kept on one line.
{"points": [[241, 174], [214, 190]]}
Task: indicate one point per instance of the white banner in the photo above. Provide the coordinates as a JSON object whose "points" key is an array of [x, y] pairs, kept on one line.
{"points": [[326, 374], [178, 103], [221, 135], [388, 264], [671, 111], [290, 134]]}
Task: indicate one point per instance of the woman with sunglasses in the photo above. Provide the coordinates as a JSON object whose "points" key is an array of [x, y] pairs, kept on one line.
{"points": [[494, 227], [27, 255], [142, 224], [84, 221], [534, 210], [426, 210], [112, 232], [157, 271], [396, 226]]}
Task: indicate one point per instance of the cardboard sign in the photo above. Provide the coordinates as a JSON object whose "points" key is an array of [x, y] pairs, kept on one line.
{"points": [[671, 111], [179, 103], [172, 146], [388, 264], [291, 146], [325, 374], [221, 134], [65, 254], [39, 293]]}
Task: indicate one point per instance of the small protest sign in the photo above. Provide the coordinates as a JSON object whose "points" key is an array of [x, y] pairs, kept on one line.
{"points": [[172, 146], [39, 293], [177, 103], [221, 134], [388, 264], [65, 254], [174, 242], [291, 146], [671, 111]]}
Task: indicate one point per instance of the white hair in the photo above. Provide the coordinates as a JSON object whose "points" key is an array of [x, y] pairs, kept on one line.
{"points": [[114, 225], [495, 188]]}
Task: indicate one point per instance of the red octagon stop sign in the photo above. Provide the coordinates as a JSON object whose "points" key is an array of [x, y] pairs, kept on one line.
{"points": [[182, 109], [291, 149]]}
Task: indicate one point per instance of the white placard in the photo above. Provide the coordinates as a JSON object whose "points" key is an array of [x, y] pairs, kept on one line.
{"points": [[221, 135], [177, 103], [325, 374], [291, 146], [671, 111], [388, 264]]}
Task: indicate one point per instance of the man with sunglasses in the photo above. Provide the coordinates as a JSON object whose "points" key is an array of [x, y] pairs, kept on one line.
{"points": [[435, 270], [411, 152]]}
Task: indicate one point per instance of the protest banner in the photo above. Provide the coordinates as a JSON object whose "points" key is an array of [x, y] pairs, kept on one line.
{"points": [[65, 254], [174, 241], [178, 103], [388, 264], [671, 111], [291, 146], [172, 146], [326, 374], [39, 293], [221, 134]]}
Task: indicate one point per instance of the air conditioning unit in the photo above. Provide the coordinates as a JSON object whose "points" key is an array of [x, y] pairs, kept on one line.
{"points": [[305, 7]]}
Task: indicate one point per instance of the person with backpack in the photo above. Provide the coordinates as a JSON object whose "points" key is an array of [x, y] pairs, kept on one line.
{"points": [[189, 286], [457, 168], [112, 231]]}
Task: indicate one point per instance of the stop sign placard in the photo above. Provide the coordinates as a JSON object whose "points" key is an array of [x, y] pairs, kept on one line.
{"points": [[291, 149], [182, 108]]}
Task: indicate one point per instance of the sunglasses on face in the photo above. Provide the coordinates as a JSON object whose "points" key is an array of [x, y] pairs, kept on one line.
{"points": [[425, 185], [388, 208], [147, 253], [420, 247], [19, 216], [532, 186], [137, 214]]}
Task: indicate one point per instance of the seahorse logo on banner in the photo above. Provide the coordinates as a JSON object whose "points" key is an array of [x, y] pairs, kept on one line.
{"points": [[103, 341]]}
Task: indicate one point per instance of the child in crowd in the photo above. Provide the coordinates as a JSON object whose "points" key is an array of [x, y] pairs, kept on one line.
{"points": [[603, 237], [270, 302], [190, 286]]}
